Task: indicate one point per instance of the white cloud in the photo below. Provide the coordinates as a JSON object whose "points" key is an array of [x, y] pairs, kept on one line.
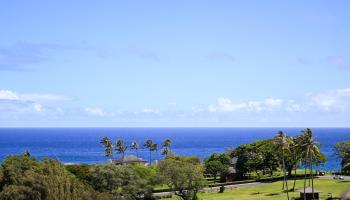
{"points": [[272, 103], [227, 105], [8, 95], [12, 102], [38, 107], [96, 111], [332, 100], [335, 100]]}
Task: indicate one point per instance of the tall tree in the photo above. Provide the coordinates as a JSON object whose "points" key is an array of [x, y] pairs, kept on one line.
{"points": [[108, 145], [166, 147], [154, 147], [135, 146], [282, 144], [295, 151], [120, 147], [183, 175], [342, 151], [150, 146], [311, 150]]}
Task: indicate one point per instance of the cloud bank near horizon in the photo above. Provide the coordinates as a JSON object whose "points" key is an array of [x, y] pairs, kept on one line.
{"points": [[327, 108]]}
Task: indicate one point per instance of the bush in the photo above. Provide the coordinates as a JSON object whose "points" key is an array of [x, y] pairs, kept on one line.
{"points": [[23, 177]]}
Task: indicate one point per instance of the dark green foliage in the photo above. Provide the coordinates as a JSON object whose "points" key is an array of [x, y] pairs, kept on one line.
{"points": [[259, 156], [166, 147], [108, 145], [120, 147], [183, 175], [342, 151], [148, 173], [216, 165], [81, 171], [23, 177], [123, 182]]}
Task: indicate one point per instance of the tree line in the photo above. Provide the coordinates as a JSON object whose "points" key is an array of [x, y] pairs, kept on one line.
{"points": [[120, 147], [23, 177], [280, 153]]}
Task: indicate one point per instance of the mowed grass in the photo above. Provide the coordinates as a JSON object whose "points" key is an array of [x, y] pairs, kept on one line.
{"points": [[273, 191]]}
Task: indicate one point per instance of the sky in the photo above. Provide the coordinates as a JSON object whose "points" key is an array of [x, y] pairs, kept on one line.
{"points": [[174, 63]]}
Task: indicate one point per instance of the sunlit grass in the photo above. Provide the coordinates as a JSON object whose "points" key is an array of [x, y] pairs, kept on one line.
{"points": [[273, 191]]}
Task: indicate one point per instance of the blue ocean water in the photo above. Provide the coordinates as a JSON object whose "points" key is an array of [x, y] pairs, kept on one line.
{"points": [[81, 145]]}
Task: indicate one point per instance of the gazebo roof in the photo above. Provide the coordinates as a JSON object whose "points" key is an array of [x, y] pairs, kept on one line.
{"points": [[308, 190], [129, 159]]}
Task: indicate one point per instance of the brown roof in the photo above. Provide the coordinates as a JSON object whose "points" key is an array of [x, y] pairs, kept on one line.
{"points": [[129, 159]]}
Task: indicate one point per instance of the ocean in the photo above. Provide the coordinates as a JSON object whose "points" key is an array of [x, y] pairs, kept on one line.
{"points": [[82, 145]]}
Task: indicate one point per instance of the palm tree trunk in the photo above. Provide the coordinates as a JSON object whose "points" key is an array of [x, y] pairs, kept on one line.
{"points": [[150, 157], [284, 174], [312, 178], [307, 153], [295, 177]]}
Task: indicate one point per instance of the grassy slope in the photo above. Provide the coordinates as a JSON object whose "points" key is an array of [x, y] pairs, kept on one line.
{"points": [[273, 191]]}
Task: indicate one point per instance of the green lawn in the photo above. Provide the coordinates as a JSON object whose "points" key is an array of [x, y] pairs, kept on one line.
{"points": [[273, 191]]}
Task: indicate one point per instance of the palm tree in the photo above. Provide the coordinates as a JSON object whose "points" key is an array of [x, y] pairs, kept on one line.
{"points": [[154, 147], [135, 146], [311, 149], [120, 147], [282, 144], [149, 145], [166, 147], [295, 153], [107, 143]]}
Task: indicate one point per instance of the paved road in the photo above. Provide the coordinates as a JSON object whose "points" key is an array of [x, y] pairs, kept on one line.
{"points": [[211, 189], [346, 178]]}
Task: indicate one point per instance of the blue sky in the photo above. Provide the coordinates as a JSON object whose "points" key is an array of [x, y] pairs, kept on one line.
{"points": [[174, 63]]}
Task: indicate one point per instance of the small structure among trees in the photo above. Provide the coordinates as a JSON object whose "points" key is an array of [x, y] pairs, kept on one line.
{"points": [[127, 160], [309, 194], [231, 172]]}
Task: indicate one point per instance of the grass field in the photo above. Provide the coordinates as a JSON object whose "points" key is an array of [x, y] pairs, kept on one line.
{"points": [[273, 191]]}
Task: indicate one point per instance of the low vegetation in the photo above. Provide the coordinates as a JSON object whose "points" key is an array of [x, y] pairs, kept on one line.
{"points": [[24, 177]]}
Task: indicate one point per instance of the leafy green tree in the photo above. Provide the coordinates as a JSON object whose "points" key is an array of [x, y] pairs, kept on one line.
{"points": [[120, 147], [108, 145], [183, 176], [81, 171], [342, 151], [258, 156], [282, 144], [215, 168], [166, 147], [123, 182], [216, 165], [23, 177]]}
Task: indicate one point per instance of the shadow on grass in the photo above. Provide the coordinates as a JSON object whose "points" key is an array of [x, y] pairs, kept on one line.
{"points": [[272, 194], [255, 193]]}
